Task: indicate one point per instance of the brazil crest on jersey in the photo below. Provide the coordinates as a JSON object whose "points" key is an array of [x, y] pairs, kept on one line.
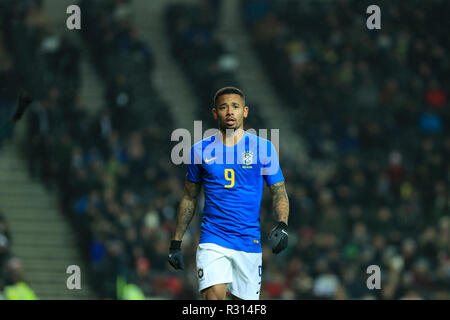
{"points": [[233, 180]]}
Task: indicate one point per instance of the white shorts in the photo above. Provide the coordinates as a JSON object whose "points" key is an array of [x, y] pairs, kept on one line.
{"points": [[240, 270]]}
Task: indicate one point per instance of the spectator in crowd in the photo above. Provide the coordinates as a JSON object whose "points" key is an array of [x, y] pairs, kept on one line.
{"points": [[13, 285]]}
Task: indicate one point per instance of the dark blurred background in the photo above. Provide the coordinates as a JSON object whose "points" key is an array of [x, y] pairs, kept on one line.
{"points": [[364, 142]]}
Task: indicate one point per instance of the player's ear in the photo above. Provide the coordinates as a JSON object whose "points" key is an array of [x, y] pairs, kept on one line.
{"points": [[245, 111], [214, 112]]}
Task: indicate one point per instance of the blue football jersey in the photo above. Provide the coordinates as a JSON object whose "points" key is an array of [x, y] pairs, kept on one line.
{"points": [[233, 180]]}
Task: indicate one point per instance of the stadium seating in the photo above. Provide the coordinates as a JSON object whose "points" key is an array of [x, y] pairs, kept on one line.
{"points": [[371, 106], [206, 60]]}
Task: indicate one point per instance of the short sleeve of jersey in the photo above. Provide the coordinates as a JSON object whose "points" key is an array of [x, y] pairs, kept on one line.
{"points": [[271, 166], [194, 166]]}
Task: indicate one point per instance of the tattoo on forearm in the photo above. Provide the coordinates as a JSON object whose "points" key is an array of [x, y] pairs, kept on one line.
{"points": [[186, 209], [280, 201]]}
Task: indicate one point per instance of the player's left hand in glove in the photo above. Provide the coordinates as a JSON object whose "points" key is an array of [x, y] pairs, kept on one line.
{"points": [[23, 102], [278, 238], [175, 256]]}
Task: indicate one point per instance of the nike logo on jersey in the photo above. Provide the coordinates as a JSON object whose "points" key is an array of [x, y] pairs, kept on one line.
{"points": [[284, 232], [209, 160]]}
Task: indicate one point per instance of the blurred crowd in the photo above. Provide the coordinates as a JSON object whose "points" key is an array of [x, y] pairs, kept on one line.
{"points": [[208, 61], [371, 105], [109, 166], [123, 185], [373, 108], [5, 254], [13, 283]]}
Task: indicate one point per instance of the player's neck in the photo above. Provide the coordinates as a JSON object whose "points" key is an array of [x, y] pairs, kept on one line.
{"points": [[231, 137]]}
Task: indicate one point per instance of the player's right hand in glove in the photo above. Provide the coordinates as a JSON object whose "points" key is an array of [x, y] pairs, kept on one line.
{"points": [[278, 238], [23, 102], [175, 256]]}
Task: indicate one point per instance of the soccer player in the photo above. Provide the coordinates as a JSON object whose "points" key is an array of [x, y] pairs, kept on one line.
{"points": [[232, 166]]}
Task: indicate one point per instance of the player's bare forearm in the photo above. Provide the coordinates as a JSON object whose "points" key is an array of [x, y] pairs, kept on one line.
{"points": [[280, 201], [186, 208], [185, 213]]}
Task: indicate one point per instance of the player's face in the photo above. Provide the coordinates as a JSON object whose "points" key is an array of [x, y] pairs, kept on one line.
{"points": [[230, 112]]}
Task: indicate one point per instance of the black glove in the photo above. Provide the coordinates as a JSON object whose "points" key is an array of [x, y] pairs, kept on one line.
{"points": [[23, 102], [175, 256], [278, 238]]}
